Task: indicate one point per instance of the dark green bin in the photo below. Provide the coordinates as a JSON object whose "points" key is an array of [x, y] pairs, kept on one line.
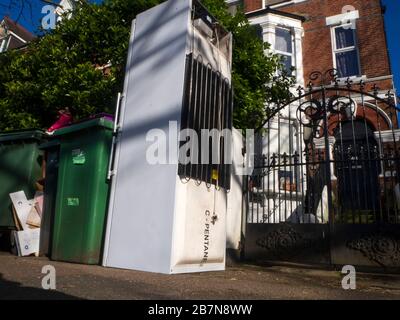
{"points": [[82, 191], [51, 154], [20, 168]]}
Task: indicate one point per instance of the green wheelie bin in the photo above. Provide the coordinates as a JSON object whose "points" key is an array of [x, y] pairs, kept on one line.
{"points": [[20, 168], [51, 154], [82, 191]]}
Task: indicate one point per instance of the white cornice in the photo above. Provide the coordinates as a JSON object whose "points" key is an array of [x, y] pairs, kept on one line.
{"points": [[275, 19], [342, 18]]}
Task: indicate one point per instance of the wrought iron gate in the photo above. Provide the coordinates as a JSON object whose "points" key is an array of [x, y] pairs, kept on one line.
{"points": [[325, 188]]}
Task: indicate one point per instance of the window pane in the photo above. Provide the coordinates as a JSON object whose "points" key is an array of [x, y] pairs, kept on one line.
{"points": [[287, 63], [347, 64], [283, 40], [344, 38]]}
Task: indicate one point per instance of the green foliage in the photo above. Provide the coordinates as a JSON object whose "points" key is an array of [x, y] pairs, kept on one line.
{"points": [[257, 86], [61, 68]]}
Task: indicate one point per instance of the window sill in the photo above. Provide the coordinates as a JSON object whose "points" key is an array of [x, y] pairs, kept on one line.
{"points": [[354, 79]]}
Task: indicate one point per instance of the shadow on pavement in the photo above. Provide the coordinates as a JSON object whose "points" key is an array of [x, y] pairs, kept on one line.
{"points": [[10, 290]]}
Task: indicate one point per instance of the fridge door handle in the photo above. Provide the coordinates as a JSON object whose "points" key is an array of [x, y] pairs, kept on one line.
{"points": [[111, 172]]}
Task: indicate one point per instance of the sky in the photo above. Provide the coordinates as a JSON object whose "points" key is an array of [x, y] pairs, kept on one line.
{"points": [[30, 15], [27, 12], [392, 22]]}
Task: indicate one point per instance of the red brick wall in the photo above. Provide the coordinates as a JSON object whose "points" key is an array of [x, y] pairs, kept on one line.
{"points": [[252, 5], [317, 47]]}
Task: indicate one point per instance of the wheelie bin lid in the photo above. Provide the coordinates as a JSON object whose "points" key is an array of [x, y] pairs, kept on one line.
{"points": [[98, 122], [49, 144], [33, 134]]}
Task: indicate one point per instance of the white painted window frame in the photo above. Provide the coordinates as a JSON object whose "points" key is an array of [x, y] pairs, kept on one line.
{"points": [[355, 47], [269, 22]]}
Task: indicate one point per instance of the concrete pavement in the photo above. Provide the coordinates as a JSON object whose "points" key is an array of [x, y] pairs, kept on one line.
{"points": [[21, 278]]}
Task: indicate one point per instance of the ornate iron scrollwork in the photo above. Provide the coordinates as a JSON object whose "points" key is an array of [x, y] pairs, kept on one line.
{"points": [[380, 248], [309, 114], [323, 78], [312, 111], [343, 105], [281, 241]]}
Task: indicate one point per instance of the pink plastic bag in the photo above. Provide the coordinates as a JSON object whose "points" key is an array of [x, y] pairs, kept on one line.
{"points": [[64, 120]]}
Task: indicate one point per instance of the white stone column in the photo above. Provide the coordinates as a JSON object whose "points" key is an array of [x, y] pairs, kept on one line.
{"points": [[269, 34], [298, 52]]}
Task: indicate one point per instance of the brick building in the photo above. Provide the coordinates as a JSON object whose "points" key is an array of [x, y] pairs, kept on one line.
{"points": [[331, 157], [348, 35], [319, 35]]}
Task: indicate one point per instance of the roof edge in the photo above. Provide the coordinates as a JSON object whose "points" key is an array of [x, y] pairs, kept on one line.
{"points": [[274, 11]]}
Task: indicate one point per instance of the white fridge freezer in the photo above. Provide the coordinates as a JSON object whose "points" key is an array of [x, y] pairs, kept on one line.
{"points": [[158, 220]]}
